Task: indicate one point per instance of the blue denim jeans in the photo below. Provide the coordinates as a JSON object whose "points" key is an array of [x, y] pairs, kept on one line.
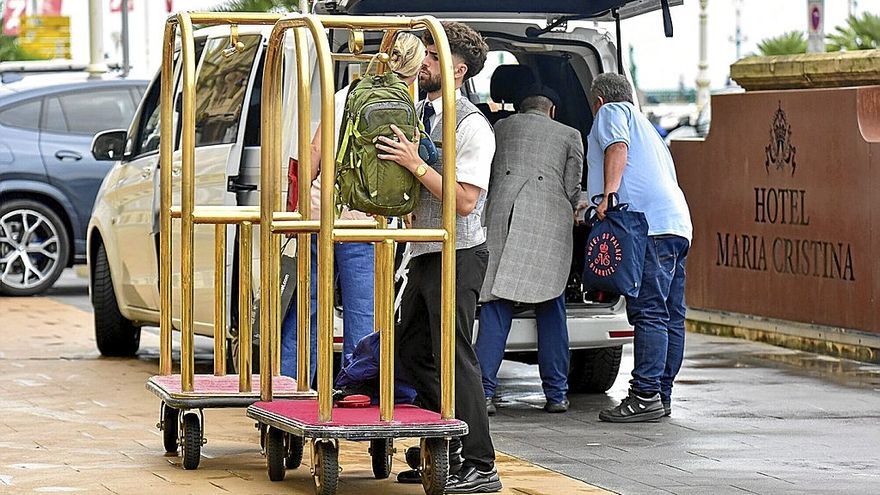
{"points": [[553, 357], [354, 271], [658, 316]]}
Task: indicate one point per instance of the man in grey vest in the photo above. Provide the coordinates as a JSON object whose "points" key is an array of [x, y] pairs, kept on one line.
{"points": [[534, 189], [418, 331]]}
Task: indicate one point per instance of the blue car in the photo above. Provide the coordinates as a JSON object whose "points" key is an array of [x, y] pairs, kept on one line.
{"points": [[48, 176]]}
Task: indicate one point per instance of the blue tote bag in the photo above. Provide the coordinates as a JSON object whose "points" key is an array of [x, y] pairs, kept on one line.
{"points": [[615, 251]]}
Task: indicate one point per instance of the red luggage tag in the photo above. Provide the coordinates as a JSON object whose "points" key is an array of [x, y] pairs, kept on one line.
{"points": [[292, 184], [356, 400]]}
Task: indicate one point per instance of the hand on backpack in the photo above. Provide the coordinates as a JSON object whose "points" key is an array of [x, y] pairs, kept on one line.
{"points": [[402, 151]]}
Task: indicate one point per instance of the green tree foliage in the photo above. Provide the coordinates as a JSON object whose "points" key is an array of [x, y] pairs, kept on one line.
{"points": [[10, 51], [790, 43], [260, 6], [859, 33]]}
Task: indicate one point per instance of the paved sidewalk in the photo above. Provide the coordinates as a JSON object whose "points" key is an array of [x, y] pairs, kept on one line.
{"points": [[72, 421]]}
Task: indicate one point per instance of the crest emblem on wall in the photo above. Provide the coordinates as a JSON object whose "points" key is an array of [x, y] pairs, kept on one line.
{"points": [[780, 151]]}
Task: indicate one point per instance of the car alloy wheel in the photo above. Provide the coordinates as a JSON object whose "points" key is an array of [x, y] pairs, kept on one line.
{"points": [[30, 249]]}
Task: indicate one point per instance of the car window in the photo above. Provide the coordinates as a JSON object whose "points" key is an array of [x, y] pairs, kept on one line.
{"points": [[54, 120], [24, 115], [90, 112], [220, 89], [148, 129]]}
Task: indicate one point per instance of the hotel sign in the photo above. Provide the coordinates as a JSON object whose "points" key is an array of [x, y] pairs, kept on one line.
{"points": [[782, 197]]}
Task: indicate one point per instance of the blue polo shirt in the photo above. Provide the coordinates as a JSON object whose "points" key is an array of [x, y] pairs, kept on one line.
{"points": [[649, 183]]}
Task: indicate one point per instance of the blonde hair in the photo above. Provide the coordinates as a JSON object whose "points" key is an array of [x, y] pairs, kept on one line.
{"points": [[407, 55]]}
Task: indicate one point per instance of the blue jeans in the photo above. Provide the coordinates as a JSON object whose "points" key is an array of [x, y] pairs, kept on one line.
{"points": [[354, 271], [553, 357], [658, 316]]}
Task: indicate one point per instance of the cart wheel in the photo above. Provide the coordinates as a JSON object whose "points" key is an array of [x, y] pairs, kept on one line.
{"points": [[170, 428], [192, 441], [325, 474], [262, 437], [413, 456], [382, 454], [275, 453], [435, 465], [294, 451]]}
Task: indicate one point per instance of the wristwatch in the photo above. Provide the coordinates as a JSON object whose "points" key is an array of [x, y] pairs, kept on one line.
{"points": [[421, 170]]}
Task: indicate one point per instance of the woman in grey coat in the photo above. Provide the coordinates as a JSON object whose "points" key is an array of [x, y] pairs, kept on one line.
{"points": [[533, 193]]}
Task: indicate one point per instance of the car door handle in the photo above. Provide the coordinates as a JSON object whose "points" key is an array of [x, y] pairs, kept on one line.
{"points": [[68, 155], [146, 171], [175, 172]]}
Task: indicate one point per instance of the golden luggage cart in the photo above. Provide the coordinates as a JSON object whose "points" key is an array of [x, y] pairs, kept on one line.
{"points": [[316, 419], [185, 395]]}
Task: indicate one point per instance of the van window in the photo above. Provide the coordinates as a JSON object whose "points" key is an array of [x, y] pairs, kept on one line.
{"points": [[220, 89], [482, 80], [25, 115]]}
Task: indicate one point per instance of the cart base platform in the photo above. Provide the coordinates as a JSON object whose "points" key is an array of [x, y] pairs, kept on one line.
{"points": [[210, 391], [300, 417]]}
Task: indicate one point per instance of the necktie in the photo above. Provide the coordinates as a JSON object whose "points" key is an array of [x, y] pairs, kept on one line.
{"points": [[426, 117]]}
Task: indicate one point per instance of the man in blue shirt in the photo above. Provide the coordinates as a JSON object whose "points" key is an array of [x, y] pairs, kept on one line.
{"points": [[627, 156]]}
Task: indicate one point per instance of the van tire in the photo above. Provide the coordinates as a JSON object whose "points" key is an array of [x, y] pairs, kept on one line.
{"points": [[594, 371], [115, 335]]}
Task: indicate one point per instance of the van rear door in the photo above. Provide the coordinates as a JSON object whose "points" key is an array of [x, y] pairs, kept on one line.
{"points": [[600, 10]]}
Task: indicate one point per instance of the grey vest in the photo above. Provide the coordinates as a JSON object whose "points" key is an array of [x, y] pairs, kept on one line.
{"points": [[469, 230]]}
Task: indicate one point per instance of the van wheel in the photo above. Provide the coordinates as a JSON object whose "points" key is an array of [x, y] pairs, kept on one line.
{"points": [[114, 334], [594, 371], [34, 247]]}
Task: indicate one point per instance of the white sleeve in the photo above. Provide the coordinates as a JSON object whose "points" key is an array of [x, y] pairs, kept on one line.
{"points": [[475, 149], [339, 103]]}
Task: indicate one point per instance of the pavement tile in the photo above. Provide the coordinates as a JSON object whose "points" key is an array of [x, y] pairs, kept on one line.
{"points": [[76, 422]]}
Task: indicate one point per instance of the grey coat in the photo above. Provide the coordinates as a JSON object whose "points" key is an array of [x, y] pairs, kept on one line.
{"points": [[533, 191]]}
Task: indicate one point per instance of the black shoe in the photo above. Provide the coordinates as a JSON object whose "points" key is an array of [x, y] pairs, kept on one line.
{"points": [[556, 407], [667, 408], [634, 409], [472, 480], [490, 407], [409, 476]]}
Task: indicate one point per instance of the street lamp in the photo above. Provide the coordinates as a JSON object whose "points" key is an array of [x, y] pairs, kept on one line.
{"points": [[703, 74]]}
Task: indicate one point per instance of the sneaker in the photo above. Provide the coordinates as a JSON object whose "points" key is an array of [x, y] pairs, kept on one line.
{"points": [[556, 407], [490, 406], [634, 409], [471, 480], [667, 408]]}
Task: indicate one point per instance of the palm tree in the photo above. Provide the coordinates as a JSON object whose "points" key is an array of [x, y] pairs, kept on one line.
{"points": [[790, 43], [859, 33], [260, 6]]}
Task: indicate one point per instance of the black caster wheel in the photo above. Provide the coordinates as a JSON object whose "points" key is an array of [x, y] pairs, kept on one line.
{"points": [[325, 473], [170, 427], [413, 456], [294, 451], [382, 454], [435, 465], [192, 440], [275, 453], [262, 428]]}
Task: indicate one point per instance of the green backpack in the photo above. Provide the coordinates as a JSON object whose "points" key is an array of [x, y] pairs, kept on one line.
{"points": [[364, 182]]}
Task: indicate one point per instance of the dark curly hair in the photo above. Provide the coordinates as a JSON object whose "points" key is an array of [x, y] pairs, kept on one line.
{"points": [[465, 43]]}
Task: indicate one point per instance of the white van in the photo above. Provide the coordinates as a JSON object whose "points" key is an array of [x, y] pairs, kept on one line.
{"points": [[553, 42]]}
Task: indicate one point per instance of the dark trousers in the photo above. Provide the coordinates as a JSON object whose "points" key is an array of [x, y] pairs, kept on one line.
{"points": [[658, 315], [418, 344], [496, 318]]}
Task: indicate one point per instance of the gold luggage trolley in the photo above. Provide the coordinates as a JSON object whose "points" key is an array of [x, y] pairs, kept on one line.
{"points": [[185, 395], [316, 419]]}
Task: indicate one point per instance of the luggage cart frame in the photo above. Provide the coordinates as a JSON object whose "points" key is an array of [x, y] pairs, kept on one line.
{"points": [[185, 395], [315, 418]]}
